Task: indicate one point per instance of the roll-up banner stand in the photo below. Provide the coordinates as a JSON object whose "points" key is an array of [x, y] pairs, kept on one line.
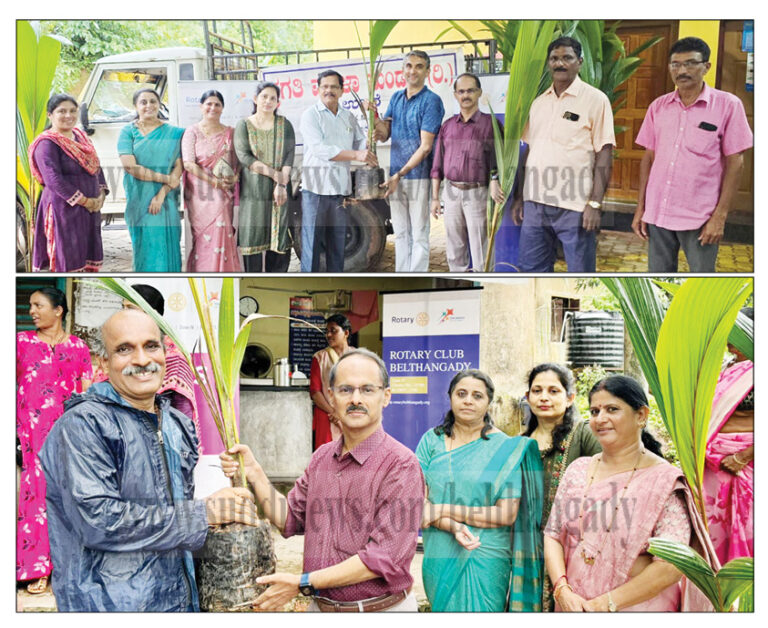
{"points": [[427, 337]]}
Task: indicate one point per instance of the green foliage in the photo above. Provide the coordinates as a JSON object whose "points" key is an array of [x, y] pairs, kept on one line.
{"points": [[531, 40], [689, 355], [378, 31], [93, 39], [735, 579], [37, 55]]}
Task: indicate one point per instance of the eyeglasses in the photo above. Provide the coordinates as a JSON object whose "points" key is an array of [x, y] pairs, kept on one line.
{"points": [[467, 92], [366, 390], [688, 65]]}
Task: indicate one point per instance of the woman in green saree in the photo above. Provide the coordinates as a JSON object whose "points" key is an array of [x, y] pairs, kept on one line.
{"points": [[150, 152], [482, 517]]}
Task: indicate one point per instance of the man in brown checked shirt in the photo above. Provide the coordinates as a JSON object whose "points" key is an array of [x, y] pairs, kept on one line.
{"points": [[358, 504]]}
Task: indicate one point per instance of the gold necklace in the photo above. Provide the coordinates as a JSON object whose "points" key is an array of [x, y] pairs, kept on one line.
{"points": [[590, 560], [57, 340]]}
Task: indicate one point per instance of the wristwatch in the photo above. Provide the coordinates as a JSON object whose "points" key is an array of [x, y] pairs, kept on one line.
{"points": [[611, 605], [595, 204], [305, 588]]}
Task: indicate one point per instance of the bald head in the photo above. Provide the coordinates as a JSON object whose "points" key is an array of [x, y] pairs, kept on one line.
{"points": [[135, 357], [130, 317]]}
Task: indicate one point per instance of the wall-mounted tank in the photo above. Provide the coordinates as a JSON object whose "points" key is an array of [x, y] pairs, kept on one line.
{"points": [[595, 338]]}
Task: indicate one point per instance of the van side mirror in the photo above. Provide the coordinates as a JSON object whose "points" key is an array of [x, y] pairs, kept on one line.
{"points": [[84, 119]]}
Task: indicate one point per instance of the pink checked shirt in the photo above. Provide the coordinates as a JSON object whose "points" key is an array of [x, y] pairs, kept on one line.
{"points": [[366, 502], [687, 171]]}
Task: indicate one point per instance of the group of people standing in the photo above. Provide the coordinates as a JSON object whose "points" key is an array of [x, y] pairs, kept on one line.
{"points": [[217, 166], [557, 518], [566, 158]]}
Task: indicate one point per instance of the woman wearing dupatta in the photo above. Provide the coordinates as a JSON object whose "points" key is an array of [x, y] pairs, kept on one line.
{"points": [[150, 151], [729, 470], [324, 420], [607, 508], [482, 517], [562, 437], [265, 144], [210, 164], [68, 224]]}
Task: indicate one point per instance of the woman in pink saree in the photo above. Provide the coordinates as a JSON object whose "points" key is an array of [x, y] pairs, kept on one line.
{"points": [[210, 177], [609, 505], [729, 470]]}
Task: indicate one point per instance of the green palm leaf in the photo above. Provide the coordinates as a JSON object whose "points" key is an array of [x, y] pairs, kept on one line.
{"points": [[643, 314], [227, 331], [689, 356], [735, 579], [690, 564]]}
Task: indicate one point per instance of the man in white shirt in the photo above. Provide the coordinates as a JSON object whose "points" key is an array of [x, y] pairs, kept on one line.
{"points": [[332, 139]]}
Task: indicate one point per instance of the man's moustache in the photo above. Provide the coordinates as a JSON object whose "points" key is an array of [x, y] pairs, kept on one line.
{"points": [[152, 367], [355, 408]]}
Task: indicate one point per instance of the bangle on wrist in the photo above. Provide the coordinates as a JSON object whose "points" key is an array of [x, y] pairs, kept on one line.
{"points": [[735, 457], [557, 582], [611, 604], [558, 591]]}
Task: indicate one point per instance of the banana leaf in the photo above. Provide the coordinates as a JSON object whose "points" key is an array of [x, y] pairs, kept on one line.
{"points": [[689, 352]]}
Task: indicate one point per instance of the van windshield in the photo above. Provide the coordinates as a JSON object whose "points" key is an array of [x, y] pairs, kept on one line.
{"points": [[113, 99]]}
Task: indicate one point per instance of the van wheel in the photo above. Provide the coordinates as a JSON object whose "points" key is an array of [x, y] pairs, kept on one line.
{"points": [[366, 236]]}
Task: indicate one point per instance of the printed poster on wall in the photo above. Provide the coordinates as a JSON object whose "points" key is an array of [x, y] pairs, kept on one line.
{"points": [[304, 342], [427, 337]]}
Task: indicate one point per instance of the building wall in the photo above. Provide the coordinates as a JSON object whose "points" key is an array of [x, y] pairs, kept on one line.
{"points": [[273, 295], [341, 33]]}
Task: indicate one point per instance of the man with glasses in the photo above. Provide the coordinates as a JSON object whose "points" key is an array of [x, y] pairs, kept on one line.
{"points": [[464, 156], [694, 138], [571, 139], [412, 119], [332, 139], [358, 504]]}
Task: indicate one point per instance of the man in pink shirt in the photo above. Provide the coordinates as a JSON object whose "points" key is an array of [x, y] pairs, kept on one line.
{"points": [[694, 139], [358, 504]]}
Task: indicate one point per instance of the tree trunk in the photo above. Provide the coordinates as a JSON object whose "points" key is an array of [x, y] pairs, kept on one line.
{"points": [[233, 556]]}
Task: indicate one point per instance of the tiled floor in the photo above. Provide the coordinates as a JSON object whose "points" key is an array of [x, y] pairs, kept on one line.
{"points": [[616, 252]]}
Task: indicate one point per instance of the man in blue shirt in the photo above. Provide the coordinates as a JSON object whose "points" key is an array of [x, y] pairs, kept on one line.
{"points": [[413, 119], [332, 138]]}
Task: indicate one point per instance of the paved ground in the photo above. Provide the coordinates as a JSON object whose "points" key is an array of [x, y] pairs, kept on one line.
{"points": [[617, 252], [289, 554]]}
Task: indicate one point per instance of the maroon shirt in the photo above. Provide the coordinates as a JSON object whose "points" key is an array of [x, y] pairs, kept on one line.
{"points": [[464, 150], [366, 502]]}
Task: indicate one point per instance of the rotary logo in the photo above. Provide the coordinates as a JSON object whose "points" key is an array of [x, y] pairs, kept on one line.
{"points": [[177, 302], [422, 319]]}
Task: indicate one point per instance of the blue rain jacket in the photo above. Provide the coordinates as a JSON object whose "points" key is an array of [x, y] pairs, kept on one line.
{"points": [[121, 516]]}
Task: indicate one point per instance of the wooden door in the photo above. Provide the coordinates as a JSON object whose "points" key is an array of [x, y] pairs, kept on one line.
{"points": [[650, 81], [731, 77]]}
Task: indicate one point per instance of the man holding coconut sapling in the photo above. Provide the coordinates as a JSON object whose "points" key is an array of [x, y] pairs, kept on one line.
{"points": [[358, 504], [119, 467], [412, 120]]}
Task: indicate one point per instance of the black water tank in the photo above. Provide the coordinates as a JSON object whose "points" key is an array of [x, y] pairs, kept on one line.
{"points": [[596, 338]]}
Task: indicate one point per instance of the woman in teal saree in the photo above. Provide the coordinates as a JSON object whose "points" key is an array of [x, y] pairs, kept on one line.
{"points": [[150, 152], [482, 518]]}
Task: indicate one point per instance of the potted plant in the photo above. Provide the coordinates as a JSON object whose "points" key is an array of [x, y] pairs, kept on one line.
{"points": [[234, 554], [368, 179]]}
